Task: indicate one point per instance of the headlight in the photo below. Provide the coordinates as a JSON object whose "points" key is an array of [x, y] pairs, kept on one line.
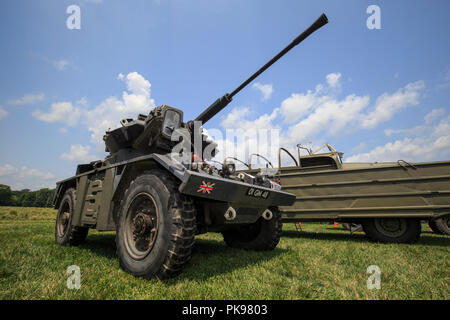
{"points": [[229, 168]]}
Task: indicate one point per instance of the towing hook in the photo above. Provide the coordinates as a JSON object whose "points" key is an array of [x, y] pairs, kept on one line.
{"points": [[230, 214], [267, 214]]}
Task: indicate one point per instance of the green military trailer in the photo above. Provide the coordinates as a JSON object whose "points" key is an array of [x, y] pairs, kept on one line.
{"points": [[389, 199], [157, 191]]}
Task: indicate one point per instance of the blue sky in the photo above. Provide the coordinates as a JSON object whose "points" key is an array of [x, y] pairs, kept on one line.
{"points": [[376, 95]]}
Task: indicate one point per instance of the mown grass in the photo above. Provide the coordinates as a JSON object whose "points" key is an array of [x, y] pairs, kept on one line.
{"points": [[26, 213], [320, 262]]}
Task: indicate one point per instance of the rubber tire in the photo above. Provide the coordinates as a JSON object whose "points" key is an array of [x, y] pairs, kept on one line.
{"points": [[176, 228], [74, 235], [411, 234], [266, 238], [442, 225], [433, 226]]}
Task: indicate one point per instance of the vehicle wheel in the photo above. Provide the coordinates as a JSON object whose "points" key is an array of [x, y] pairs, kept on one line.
{"points": [[65, 232], [442, 225], [156, 227], [392, 230], [433, 227], [263, 235]]}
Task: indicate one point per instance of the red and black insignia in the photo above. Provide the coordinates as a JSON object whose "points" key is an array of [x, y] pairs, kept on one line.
{"points": [[206, 187]]}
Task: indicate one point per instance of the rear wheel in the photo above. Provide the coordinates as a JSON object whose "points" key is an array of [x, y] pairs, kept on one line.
{"points": [[392, 230], [442, 225], [156, 227], [65, 232], [433, 226], [263, 235]]}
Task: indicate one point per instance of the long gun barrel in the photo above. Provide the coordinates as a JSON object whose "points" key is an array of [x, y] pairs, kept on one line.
{"points": [[222, 102]]}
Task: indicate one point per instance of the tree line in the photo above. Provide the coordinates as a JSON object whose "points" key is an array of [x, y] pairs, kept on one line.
{"points": [[26, 197]]}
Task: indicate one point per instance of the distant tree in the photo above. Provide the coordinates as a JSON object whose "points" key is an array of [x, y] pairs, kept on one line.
{"points": [[6, 196], [41, 198], [29, 199], [50, 195], [26, 197]]}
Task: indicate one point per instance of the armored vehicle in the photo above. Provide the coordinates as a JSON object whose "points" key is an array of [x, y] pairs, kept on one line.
{"points": [[389, 199], [157, 190]]}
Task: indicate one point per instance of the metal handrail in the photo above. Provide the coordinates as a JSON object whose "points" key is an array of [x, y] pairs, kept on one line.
{"points": [[237, 160], [279, 157], [256, 154]]}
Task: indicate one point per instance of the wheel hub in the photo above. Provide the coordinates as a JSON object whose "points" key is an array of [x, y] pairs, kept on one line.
{"points": [[142, 223], [65, 218], [391, 227], [142, 226], [62, 221]]}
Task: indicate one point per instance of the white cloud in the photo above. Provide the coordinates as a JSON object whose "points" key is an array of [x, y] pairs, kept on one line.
{"points": [[61, 65], [298, 104], [3, 113], [237, 119], [434, 115], [445, 80], [63, 112], [63, 130], [266, 90], [425, 142], [321, 111], [7, 169], [79, 153], [329, 116], [387, 105], [361, 146], [25, 178], [333, 80], [27, 99], [107, 114]]}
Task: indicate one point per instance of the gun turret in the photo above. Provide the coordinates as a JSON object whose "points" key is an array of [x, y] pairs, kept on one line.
{"points": [[222, 102]]}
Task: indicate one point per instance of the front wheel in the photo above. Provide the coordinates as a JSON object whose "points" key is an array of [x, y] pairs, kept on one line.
{"points": [[156, 227], [392, 230], [263, 235]]}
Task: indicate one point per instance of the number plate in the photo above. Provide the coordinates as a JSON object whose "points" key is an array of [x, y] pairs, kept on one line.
{"points": [[258, 193]]}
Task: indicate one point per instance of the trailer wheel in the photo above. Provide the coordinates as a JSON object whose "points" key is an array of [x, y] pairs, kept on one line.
{"points": [[156, 227], [392, 230], [263, 235], [65, 232], [442, 225], [433, 226]]}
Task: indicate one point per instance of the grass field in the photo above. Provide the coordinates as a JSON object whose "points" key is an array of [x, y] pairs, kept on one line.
{"points": [[320, 262]]}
